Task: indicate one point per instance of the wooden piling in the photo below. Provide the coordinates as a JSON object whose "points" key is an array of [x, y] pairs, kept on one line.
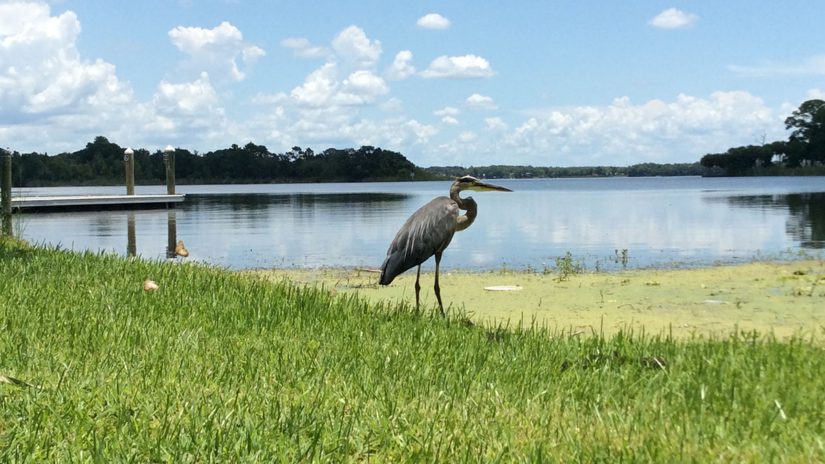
{"points": [[131, 237], [129, 161], [169, 160], [171, 233], [5, 186]]}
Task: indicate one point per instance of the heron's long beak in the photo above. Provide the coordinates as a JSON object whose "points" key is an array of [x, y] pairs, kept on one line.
{"points": [[485, 187]]}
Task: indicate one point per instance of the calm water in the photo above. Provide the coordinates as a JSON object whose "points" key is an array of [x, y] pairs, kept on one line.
{"points": [[659, 221]]}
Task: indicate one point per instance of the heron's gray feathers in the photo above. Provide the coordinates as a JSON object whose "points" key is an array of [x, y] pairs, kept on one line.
{"points": [[428, 231]]}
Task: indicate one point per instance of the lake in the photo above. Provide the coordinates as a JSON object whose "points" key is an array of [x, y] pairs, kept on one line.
{"points": [[660, 222]]}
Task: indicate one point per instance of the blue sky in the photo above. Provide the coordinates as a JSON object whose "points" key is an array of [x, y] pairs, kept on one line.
{"points": [[546, 83]]}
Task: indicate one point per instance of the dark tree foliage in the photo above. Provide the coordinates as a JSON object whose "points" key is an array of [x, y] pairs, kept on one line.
{"points": [[804, 148], [101, 163]]}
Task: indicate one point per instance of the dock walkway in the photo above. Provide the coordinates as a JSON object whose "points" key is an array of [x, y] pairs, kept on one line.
{"points": [[95, 201]]}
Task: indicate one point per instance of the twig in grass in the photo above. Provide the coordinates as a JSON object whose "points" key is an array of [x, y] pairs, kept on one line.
{"points": [[12, 381], [781, 411]]}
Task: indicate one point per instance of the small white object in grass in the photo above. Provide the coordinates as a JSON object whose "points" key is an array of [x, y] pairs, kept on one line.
{"points": [[150, 285], [503, 288], [715, 302]]}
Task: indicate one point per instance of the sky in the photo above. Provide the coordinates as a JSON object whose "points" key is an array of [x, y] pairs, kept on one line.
{"points": [[463, 82]]}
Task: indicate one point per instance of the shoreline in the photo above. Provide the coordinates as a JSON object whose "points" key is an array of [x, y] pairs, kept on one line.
{"points": [[784, 298]]}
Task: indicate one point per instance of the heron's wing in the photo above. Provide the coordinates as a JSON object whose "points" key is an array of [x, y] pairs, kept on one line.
{"points": [[427, 231]]}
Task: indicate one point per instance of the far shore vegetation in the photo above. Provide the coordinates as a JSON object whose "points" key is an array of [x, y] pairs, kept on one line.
{"points": [[210, 365]]}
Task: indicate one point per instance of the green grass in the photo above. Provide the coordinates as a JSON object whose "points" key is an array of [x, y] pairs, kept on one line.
{"points": [[219, 367]]}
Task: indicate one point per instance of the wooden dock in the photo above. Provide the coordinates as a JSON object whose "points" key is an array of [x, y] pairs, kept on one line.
{"points": [[93, 202]]}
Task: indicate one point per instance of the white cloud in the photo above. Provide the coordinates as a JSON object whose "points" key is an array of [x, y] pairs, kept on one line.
{"points": [[811, 66], [422, 132], [495, 123], [447, 111], [365, 86], [189, 98], [178, 112], [302, 48], [326, 86], [673, 18], [354, 48], [458, 67], [215, 50], [318, 87], [401, 67], [480, 101], [41, 71], [621, 133], [449, 120], [433, 21]]}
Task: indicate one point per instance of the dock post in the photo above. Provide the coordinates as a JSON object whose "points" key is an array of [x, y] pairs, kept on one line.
{"points": [[171, 233], [5, 186], [129, 160], [169, 161], [131, 241]]}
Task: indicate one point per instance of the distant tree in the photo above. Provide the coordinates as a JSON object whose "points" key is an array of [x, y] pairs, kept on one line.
{"points": [[808, 124], [808, 121]]}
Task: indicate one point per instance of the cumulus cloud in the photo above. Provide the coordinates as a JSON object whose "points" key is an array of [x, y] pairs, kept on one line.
{"points": [[303, 48], [180, 111], [217, 50], [480, 101], [188, 98], [673, 18], [447, 111], [619, 133], [354, 48], [622, 132], [348, 77], [318, 87], [42, 72], [401, 67], [458, 67], [364, 86], [433, 21]]}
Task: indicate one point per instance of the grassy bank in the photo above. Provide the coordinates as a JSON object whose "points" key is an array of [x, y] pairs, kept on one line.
{"points": [[215, 366], [782, 298]]}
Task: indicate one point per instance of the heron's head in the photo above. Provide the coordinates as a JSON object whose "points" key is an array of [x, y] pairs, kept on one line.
{"points": [[471, 183]]}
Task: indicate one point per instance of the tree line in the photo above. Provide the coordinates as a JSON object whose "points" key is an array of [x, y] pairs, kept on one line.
{"points": [[802, 153], [527, 172], [101, 163]]}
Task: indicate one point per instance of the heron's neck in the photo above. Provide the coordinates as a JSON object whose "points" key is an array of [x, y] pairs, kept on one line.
{"points": [[468, 205]]}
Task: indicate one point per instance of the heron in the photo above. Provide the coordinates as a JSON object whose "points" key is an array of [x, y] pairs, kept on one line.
{"points": [[429, 231]]}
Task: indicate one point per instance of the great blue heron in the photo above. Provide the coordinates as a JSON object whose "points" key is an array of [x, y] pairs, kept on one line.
{"points": [[429, 230]]}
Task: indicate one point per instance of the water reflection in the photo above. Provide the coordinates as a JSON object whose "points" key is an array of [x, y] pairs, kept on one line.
{"points": [[805, 214], [171, 233], [131, 237], [658, 221]]}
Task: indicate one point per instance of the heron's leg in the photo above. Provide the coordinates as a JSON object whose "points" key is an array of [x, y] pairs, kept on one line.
{"points": [[417, 286], [436, 287]]}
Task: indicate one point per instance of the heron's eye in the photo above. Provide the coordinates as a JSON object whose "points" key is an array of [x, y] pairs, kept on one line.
{"points": [[467, 179]]}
